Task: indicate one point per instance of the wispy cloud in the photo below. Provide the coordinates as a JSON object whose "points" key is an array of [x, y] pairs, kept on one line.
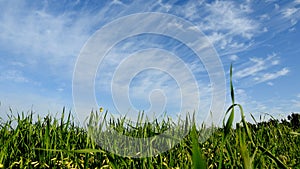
{"points": [[259, 70], [233, 57], [40, 41], [270, 76], [257, 65], [289, 12], [284, 17], [42, 37], [13, 76], [228, 23], [152, 68], [230, 18]]}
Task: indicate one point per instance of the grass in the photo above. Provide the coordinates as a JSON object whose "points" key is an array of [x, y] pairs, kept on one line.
{"points": [[50, 142]]}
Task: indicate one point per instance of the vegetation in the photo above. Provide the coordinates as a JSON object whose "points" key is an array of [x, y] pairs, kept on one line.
{"points": [[50, 142]]}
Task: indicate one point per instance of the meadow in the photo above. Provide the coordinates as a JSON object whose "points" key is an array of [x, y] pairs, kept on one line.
{"points": [[59, 142]]}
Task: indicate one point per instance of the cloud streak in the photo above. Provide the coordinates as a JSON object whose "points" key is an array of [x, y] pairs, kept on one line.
{"points": [[256, 69], [271, 76]]}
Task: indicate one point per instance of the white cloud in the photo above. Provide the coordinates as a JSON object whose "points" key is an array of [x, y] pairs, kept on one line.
{"points": [[217, 37], [14, 76], [40, 37], [163, 62], [233, 57], [275, 62], [228, 26], [265, 29], [293, 22], [148, 80], [54, 38], [282, 18], [289, 12], [117, 2], [258, 70], [166, 6], [240, 92], [292, 29], [60, 89], [256, 65], [276, 6], [189, 10], [264, 17], [40, 34], [224, 22], [196, 67], [226, 16], [246, 7], [271, 76]]}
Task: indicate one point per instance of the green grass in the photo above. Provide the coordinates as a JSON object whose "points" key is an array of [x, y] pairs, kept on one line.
{"points": [[50, 142]]}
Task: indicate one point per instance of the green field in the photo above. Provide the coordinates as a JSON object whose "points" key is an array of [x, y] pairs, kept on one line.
{"points": [[50, 142], [276, 145]]}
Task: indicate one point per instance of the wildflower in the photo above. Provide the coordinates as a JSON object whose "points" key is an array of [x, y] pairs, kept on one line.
{"points": [[101, 109]]}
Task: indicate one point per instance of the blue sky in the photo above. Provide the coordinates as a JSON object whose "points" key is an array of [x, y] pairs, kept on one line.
{"points": [[40, 42]]}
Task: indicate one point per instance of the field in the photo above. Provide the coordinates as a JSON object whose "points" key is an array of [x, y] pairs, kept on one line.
{"points": [[50, 142]]}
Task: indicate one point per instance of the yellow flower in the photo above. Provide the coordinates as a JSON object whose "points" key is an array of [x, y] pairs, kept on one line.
{"points": [[101, 109]]}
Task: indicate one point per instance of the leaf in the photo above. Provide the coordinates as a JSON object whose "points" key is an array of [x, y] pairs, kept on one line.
{"points": [[295, 133], [199, 161]]}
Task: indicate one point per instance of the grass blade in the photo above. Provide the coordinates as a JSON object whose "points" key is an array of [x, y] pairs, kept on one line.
{"points": [[198, 159]]}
